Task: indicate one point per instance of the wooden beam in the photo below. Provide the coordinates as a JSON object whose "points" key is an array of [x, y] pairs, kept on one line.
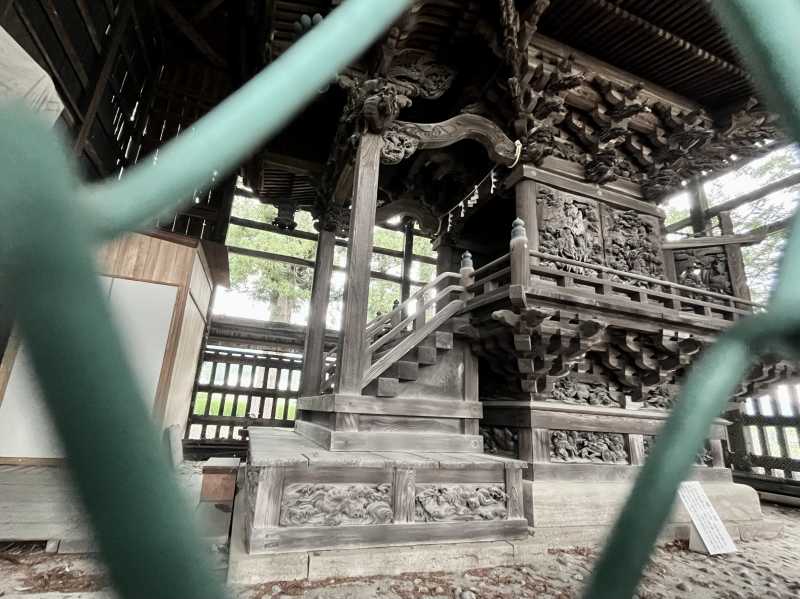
{"points": [[191, 33], [309, 264], [720, 240], [206, 10], [734, 259], [254, 224], [109, 58], [51, 11], [740, 200], [314, 347], [771, 228], [408, 257], [356, 293]]}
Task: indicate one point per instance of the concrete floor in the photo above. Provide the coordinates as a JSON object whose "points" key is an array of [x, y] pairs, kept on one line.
{"points": [[763, 568]]}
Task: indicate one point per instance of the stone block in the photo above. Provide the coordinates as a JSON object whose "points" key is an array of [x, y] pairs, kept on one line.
{"points": [[765, 529], [390, 561]]}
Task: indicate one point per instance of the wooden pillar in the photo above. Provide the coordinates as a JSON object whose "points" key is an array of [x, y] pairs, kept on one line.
{"points": [[733, 256], [698, 204], [314, 349], [525, 198], [408, 257], [359, 246]]}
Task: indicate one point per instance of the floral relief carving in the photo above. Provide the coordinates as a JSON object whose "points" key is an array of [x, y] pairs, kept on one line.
{"points": [[336, 504], [460, 503], [588, 447]]}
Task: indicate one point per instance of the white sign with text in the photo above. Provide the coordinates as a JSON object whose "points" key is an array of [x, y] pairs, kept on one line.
{"points": [[705, 519]]}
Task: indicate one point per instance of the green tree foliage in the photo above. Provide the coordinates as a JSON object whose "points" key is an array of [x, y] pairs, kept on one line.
{"points": [[761, 261], [286, 288]]}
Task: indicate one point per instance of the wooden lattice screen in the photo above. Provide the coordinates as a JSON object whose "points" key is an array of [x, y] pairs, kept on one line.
{"points": [[237, 388], [765, 439]]}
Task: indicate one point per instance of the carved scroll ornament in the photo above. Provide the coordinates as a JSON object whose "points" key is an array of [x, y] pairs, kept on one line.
{"points": [[402, 138], [336, 504], [460, 503]]}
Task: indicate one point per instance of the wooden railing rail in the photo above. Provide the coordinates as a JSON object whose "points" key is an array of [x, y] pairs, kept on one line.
{"points": [[731, 300], [418, 317], [376, 324], [411, 341]]}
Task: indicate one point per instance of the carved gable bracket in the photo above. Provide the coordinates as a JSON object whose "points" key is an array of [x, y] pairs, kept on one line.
{"points": [[402, 139]]}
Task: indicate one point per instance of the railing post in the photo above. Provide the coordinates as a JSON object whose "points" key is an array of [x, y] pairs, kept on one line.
{"points": [[467, 273], [519, 255]]}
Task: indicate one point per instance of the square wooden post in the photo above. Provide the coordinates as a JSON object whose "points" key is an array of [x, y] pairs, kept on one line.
{"points": [[359, 246], [314, 348], [525, 201]]}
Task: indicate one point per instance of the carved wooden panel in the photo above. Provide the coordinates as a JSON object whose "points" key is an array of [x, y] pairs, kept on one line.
{"points": [[449, 503], [588, 447], [704, 268], [336, 504], [569, 226], [632, 242]]}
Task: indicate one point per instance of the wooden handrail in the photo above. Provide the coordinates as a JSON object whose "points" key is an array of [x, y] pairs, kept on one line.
{"points": [[410, 342], [375, 324], [398, 328], [487, 267], [645, 278]]}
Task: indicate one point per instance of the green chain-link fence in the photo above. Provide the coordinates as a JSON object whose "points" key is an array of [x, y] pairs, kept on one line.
{"points": [[51, 222]]}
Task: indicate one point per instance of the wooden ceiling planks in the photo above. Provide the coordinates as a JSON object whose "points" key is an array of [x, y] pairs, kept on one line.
{"points": [[677, 45]]}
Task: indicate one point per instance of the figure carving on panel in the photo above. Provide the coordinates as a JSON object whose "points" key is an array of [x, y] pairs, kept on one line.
{"points": [[593, 394], [661, 396], [633, 243], [499, 441], [570, 228], [589, 447], [704, 270]]}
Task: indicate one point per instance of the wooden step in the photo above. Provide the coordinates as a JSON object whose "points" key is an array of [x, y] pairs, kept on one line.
{"points": [[443, 340], [426, 354], [383, 386], [404, 370]]}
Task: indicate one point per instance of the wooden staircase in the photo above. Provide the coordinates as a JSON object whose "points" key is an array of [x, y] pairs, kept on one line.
{"points": [[406, 339], [407, 368]]}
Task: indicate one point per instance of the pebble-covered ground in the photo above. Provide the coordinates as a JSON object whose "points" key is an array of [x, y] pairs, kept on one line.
{"points": [[768, 568]]}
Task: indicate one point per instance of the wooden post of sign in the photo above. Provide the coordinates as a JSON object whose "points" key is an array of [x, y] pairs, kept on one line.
{"points": [[359, 246], [314, 348]]}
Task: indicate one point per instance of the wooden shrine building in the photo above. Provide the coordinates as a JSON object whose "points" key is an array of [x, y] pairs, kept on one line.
{"points": [[534, 141]]}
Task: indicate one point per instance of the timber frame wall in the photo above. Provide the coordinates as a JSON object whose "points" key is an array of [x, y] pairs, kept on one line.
{"points": [[764, 435]]}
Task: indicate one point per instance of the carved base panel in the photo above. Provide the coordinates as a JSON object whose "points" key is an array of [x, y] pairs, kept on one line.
{"points": [[300, 497], [564, 441]]}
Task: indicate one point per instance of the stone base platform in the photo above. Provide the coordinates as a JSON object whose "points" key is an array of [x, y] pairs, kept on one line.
{"points": [[300, 497], [553, 507]]}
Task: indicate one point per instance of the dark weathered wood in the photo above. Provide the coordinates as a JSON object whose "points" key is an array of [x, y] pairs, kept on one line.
{"points": [[525, 203], [314, 348], [356, 294], [698, 205], [408, 257], [110, 52], [191, 33], [734, 259]]}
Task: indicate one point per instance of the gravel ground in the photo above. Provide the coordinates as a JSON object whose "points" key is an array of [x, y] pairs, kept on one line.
{"points": [[769, 568]]}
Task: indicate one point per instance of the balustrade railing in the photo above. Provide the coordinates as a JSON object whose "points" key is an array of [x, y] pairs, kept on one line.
{"points": [[532, 270]]}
